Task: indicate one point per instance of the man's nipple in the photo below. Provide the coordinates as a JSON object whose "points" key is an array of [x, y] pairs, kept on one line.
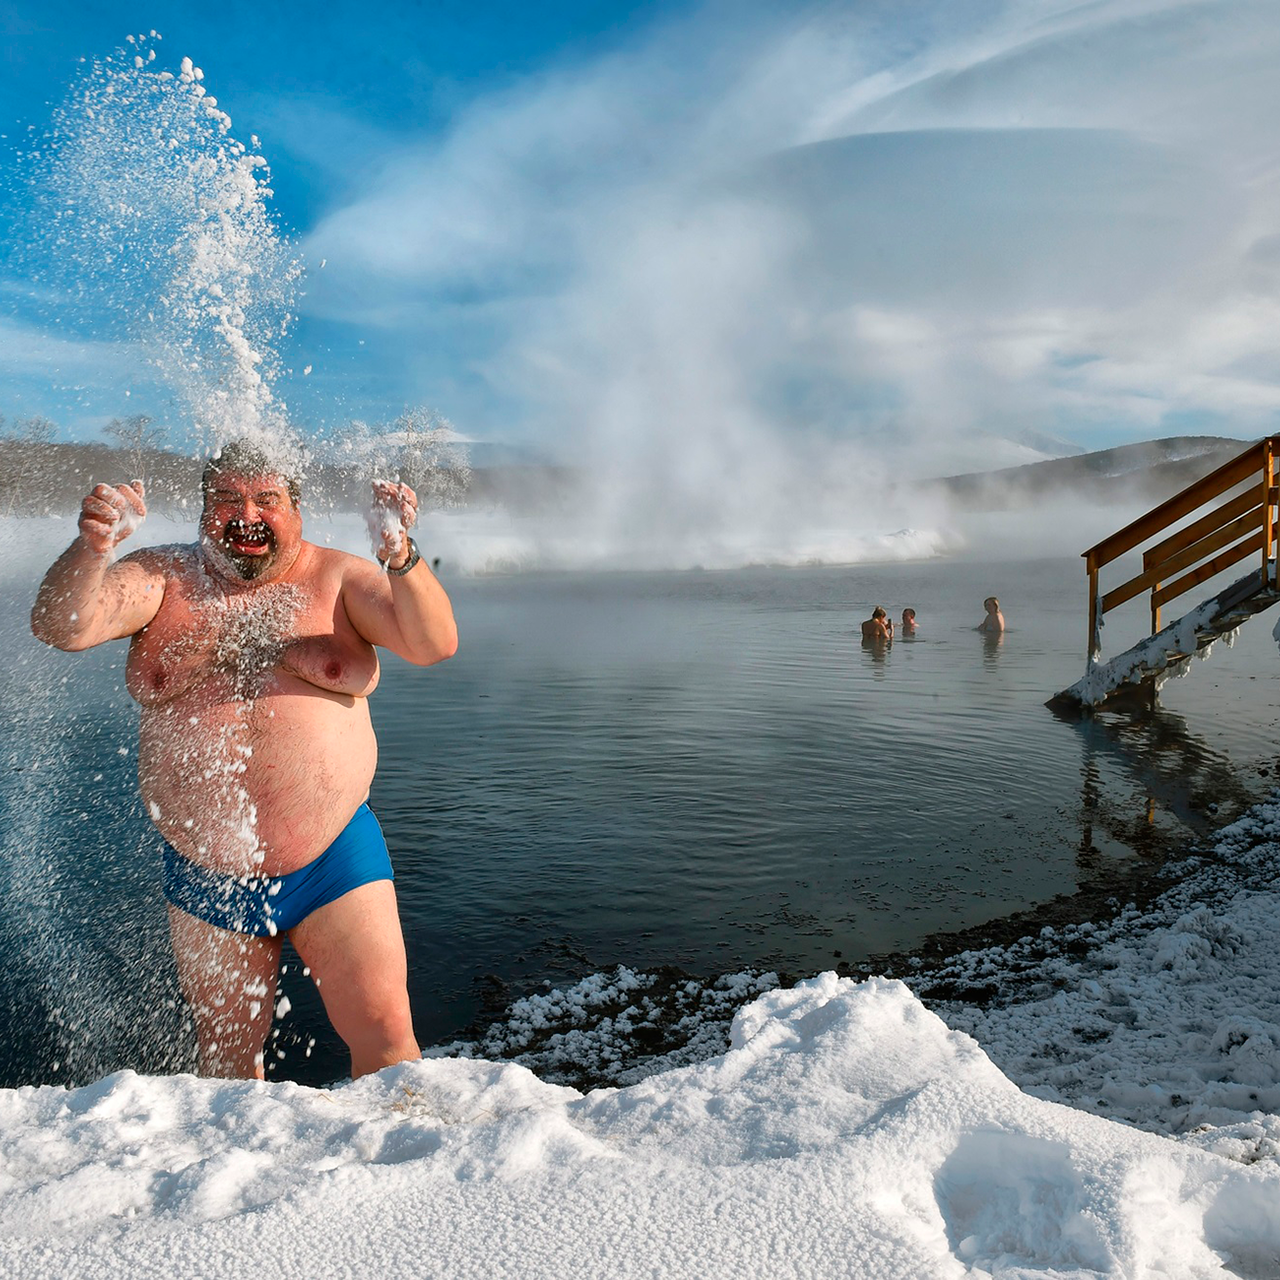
{"points": [[333, 669]]}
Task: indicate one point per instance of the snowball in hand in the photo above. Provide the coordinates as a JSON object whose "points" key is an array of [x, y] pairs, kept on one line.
{"points": [[385, 520], [129, 521]]}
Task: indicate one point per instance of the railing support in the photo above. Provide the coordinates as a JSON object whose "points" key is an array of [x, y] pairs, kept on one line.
{"points": [[1095, 619], [1268, 519]]}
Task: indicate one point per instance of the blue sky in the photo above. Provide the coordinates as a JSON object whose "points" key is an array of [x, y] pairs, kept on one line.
{"points": [[675, 238]]}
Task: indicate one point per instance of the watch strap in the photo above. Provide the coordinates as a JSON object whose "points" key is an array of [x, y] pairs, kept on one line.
{"points": [[413, 559]]}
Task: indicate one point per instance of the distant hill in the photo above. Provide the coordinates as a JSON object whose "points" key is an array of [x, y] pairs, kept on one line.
{"points": [[51, 479], [1149, 472]]}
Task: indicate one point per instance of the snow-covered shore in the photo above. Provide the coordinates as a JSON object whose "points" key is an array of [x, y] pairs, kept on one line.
{"points": [[848, 1131], [1168, 1018]]}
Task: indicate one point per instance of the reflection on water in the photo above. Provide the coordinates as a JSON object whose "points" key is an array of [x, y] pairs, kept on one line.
{"points": [[704, 770], [876, 650], [1183, 785]]}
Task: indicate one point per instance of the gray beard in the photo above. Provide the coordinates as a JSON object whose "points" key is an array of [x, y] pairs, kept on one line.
{"points": [[246, 568]]}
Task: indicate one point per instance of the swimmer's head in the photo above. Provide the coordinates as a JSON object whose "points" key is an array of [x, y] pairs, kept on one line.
{"points": [[991, 604], [878, 612], [908, 615], [250, 527]]}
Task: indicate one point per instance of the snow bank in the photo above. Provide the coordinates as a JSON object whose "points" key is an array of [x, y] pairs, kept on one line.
{"points": [[847, 1132], [1168, 1019]]}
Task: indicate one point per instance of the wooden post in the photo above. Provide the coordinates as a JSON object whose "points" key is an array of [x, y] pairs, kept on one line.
{"points": [[1155, 610], [1095, 618], [1268, 523]]}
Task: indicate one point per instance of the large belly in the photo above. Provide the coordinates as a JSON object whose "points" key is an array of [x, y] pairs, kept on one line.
{"points": [[256, 786]]}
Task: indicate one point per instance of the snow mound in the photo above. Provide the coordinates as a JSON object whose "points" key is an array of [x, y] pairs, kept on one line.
{"points": [[847, 1132]]}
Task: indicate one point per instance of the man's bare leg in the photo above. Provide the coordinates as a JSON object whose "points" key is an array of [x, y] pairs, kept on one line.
{"points": [[229, 982], [355, 951]]}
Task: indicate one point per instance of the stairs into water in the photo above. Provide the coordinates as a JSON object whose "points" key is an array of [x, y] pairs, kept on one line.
{"points": [[1243, 523]]}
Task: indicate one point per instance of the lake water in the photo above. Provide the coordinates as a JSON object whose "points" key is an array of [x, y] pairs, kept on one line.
{"points": [[705, 770]]}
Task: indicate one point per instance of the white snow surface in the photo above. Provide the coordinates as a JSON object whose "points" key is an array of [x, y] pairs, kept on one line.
{"points": [[847, 1132]]}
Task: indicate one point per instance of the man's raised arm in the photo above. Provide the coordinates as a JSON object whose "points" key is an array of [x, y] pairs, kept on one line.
{"points": [[404, 609], [85, 599]]}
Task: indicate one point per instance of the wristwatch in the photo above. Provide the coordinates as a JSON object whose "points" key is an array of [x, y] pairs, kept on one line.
{"points": [[413, 559]]}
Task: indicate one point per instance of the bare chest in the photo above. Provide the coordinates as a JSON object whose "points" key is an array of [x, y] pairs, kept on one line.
{"points": [[240, 645]]}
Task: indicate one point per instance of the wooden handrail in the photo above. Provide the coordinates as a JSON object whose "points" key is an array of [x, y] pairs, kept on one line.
{"points": [[1251, 512], [1246, 501], [1196, 495], [1207, 570], [1150, 579]]}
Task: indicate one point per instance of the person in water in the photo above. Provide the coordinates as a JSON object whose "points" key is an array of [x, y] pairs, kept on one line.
{"points": [[252, 655], [993, 623], [878, 626], [908, 622]]}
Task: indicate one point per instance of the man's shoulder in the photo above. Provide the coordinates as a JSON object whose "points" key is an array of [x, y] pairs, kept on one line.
{"points": [[167, 558], [330, 561]]}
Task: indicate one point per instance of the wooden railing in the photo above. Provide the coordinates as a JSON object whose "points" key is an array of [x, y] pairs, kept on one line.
{"points": [[1243, 525]]}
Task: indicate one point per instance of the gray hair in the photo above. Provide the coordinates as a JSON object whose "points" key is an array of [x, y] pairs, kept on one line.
{"points": [[245, 457]]}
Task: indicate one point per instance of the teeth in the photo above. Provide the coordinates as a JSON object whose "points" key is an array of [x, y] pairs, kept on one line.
{"points": [[242, 537]]}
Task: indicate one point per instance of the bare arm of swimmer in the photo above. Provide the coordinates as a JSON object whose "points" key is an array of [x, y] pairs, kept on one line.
{"points": [[409, 614], [85, 598]]}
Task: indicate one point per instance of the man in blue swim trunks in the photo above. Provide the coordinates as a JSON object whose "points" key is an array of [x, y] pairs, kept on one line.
{"points": [[252, 655]]}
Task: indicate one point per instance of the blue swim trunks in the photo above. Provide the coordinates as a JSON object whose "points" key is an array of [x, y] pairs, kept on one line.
{"points": [[266, 905]]}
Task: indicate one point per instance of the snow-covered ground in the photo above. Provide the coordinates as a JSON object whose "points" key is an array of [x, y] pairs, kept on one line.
{"points": [[1107, 1108]]}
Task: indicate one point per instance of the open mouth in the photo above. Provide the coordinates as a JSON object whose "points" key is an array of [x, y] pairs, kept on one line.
{"points": [[247, 539]]}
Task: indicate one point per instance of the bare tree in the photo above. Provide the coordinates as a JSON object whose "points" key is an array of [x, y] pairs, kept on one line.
{"points": [[31, 471], [421, 447], [36, 429], [139, 435], [432, 457]]}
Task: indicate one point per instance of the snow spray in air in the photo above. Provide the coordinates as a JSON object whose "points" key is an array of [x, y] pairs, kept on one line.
{"points": [[152, 227]]}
